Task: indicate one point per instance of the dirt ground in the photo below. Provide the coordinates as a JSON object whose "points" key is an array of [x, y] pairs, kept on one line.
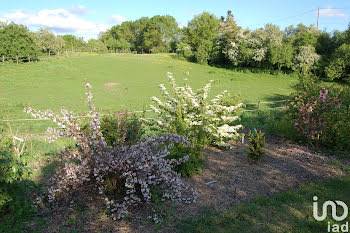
{"points": [[286, 165]]}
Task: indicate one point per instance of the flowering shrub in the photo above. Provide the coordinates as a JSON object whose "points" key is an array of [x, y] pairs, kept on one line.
{"points": [[190, 114], [122, 175], [305, 59], [310, 113]]}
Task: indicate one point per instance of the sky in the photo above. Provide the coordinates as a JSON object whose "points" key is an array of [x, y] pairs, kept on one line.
{"points": [[88, 18]]}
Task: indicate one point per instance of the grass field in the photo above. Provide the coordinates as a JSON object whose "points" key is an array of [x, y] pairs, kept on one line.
{"points": [[120, 81], [126, 82]]}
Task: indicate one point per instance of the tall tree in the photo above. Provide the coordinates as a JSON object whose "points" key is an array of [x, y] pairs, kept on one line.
{"points": [[201, 34], [160, 32], [46, 41], [73, 43], [17, 41]]}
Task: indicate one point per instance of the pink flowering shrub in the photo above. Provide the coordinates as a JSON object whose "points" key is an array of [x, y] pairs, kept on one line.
{"points": [[123, 175], [310, 113]]}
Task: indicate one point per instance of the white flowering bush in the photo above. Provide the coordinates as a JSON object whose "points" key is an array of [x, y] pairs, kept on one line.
{"points": [[305, 59], [190, 113], [122, 175]]}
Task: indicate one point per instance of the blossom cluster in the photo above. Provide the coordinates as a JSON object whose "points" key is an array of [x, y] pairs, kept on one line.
{"points": [[309, 113], [122, 175], [197, 115]]}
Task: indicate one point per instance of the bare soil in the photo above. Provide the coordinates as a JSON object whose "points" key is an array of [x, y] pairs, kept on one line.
{"points": [[110, 84], [286, 165]]}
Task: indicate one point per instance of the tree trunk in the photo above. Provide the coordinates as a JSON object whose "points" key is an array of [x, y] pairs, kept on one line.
{"points": [[29, 58], [3, 59], [58, 53], [17, 59], [49, 53]]}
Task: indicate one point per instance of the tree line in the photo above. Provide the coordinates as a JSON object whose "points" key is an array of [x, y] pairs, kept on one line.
{"points": [[17, 43], [206, 40]]}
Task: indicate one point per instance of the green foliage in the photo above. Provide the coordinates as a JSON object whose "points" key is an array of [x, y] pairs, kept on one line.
{"points": [[256, 146], [121, 128], [73, 43], [14, 205], [193, 165], [12, 168], [96, 46], [202, 33], [202, 54], [17, 40], [282, 55], [184, 50], [160, 32], [339, 66], [48, 42]]}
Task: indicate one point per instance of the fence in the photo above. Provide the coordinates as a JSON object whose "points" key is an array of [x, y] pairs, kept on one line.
{"points": [[258, 109]]}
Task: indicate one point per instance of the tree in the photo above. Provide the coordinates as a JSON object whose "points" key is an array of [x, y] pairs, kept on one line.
{"points": [[202, 31], [160, 32], [2, 24], [46, 41], [228, 31], [281, 55], [339, 67], [305, 36], [96, 46], [60, 44], [17, 41], [73, 43]]}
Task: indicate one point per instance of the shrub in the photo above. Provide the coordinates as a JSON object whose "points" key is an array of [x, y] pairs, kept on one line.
{"points": [[190, 114], [309, 113], [184, 50], [194, 163], [256, 146], [13, 188], [121, 128], [123, 175], [12, 168], [305, 59]]}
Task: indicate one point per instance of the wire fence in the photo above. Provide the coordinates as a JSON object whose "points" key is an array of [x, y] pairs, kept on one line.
{"points": [[258, 109]]}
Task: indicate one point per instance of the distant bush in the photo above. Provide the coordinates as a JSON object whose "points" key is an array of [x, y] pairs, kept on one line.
{"points": [[256, 146], [184, 50], [123, 175]]}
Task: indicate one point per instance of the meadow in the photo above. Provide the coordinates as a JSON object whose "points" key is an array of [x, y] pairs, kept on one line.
{"points": [[120, 82], [126, 82]]}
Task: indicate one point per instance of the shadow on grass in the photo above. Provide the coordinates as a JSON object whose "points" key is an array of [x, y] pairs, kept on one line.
{"points": [[284, 212], [17, 214]]}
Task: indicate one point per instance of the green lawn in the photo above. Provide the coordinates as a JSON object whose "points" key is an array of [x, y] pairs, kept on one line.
{"points": [[58, 83]]}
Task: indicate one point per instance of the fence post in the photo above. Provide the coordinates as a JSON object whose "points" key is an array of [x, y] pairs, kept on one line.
{"points": [[258, 106]]}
